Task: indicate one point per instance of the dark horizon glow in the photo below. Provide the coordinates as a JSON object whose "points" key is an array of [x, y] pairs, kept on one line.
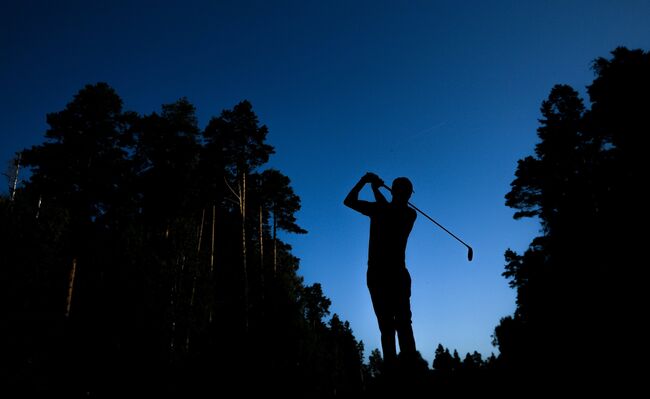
{"points": [[443, 93]]}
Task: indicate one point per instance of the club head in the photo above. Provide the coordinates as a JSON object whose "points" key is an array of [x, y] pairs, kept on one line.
{"points": [[470, 253]]}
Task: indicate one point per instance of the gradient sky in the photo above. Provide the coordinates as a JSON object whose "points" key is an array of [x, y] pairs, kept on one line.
{"points": [[444, 92]]}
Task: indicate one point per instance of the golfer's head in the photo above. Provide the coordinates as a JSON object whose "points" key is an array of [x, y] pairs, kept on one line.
{"points": [[402, 190]]}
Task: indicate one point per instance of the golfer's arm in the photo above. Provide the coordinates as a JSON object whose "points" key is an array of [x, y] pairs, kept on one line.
{"points": [[379, 197], [352, 200]]}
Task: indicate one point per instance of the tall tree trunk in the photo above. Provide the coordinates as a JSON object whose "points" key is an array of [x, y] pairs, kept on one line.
{"points": [[275, 245], [262, 251], [13, 178], [38, 207], [198, 247], [214, 217], [172, 304], [261, 239], [71, 276], [242, 208]]}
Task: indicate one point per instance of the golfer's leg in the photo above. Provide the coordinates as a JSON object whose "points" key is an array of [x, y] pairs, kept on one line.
{"points": [[386, 326], [403, 316], [383, 311]]}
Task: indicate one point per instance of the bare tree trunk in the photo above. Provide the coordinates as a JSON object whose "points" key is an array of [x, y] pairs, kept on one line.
{"points": [[214, 217], [240, 194], [14, 177], [172, 305], [198, 251], [71, 276], [242, 206], [262, 251], [275, 245], [38, 207], [198, 247], [261, 239]]}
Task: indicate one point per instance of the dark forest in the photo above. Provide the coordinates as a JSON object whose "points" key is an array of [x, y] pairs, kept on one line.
{"points": [[140, 254]]}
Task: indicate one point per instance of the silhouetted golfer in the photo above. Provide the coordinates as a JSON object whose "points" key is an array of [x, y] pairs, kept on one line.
{"points": [[388, 279]]}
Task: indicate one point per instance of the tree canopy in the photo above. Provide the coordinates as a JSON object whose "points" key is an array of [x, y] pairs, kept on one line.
{"points": [[144, 255], [578, 283]]}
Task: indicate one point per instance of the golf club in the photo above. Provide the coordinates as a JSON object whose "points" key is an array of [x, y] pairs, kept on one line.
{"points": [[470, 251]]}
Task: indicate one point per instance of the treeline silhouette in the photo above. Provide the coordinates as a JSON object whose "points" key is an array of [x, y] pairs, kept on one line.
{"points": [[578, 325], [579, 284], [142, 255]]}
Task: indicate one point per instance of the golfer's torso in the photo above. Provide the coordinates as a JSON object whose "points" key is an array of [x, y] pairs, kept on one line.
{"points": [[390, 227]]}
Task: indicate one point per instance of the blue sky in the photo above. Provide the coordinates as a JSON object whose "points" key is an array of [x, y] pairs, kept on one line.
{"points": [[444, 92]]}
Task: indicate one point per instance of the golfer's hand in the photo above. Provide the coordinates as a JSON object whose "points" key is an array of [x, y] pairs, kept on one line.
{"points": [[377, 184], [373, 179]]}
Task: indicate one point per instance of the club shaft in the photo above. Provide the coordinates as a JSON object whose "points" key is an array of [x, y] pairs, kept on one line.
{"points": [[438, 224], [431, 219]]}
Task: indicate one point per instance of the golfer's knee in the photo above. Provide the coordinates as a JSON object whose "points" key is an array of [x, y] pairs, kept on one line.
{"points": [[386, 326], [403, 323]]}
